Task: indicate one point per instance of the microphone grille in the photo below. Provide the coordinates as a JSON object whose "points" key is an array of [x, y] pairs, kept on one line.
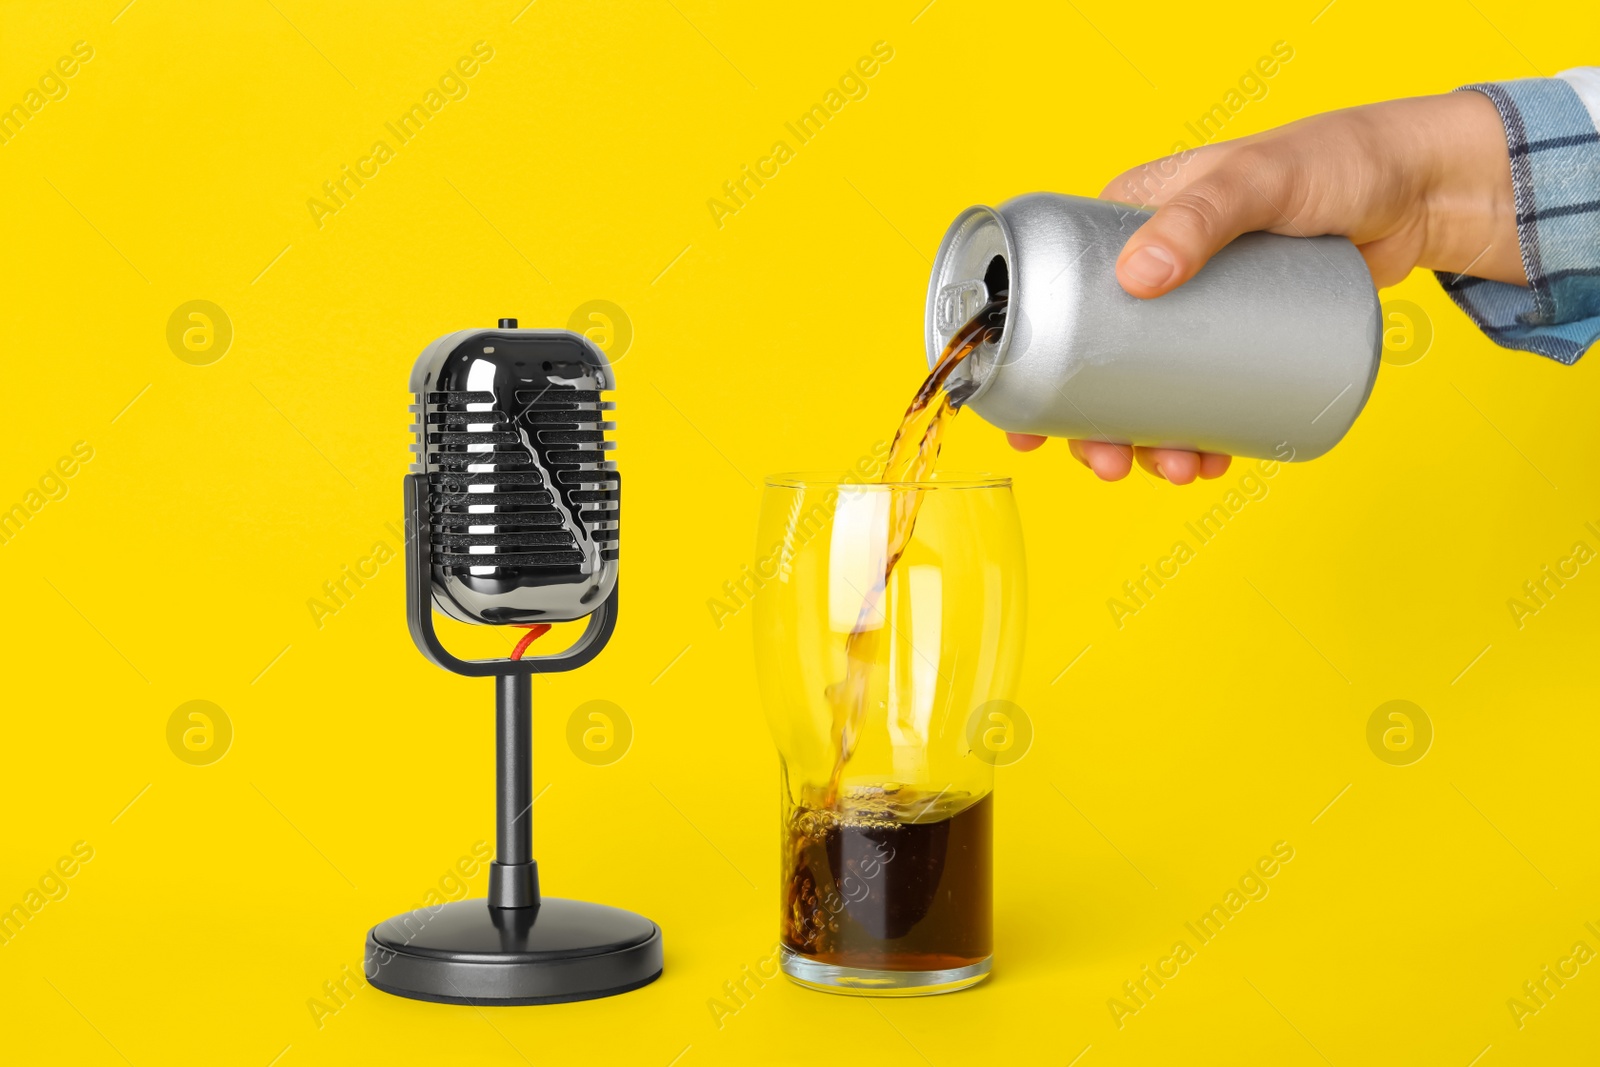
{"points": [[523, 499]]}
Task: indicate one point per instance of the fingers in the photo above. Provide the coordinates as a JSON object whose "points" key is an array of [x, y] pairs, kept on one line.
{"points": [[1105, 460], [1113, 462], [1203, 200], [1181, 467], [1025, 442], [1109, 462], [1214, 464], [1187, 231], [1175, 465]]}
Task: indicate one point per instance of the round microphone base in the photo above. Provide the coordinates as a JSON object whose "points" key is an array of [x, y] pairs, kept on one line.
{"points": [[466, 952]]}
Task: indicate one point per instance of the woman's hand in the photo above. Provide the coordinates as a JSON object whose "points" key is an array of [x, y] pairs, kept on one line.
{"points": [[1424, 182]]}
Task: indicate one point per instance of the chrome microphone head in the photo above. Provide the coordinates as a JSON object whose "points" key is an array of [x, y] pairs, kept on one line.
{"points": [[522, 501]]}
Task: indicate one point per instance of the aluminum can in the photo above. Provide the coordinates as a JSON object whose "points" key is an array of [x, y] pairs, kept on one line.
{"points": [[1270, 351]]}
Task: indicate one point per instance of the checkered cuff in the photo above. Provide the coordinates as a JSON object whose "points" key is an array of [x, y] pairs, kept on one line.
{"points": [[1555, 173]]}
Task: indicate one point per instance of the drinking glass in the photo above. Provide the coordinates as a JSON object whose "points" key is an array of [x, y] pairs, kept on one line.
{"points": [[886, 856]]}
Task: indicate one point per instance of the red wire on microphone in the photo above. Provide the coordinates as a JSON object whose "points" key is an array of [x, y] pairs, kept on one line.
{"points": [[535, 630]]}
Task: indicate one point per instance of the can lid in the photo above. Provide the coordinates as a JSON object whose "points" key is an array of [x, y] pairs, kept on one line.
{"points": [[975, 261]]}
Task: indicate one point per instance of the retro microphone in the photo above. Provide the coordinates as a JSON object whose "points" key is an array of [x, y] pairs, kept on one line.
{"points": [[513, 508]]}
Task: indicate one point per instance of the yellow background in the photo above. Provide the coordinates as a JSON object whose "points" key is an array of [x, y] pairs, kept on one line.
{"points": [[1223, 717]]}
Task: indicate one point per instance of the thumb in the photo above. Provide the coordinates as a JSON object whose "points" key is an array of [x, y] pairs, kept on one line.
{"points": [[1188, 230]]}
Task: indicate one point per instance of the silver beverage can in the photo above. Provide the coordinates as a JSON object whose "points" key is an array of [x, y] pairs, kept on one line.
{"points": [[1270, 351]]}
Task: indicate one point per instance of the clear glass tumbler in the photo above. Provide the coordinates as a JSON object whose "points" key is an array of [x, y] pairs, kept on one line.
{"points": [[874, 690]]}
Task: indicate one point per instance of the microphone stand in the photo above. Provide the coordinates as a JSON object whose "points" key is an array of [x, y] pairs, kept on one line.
{"points": [[515, 946], [513, 877]]}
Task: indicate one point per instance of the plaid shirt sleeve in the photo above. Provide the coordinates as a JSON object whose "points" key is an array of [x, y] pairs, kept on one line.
{"points": [[1555, 173]]}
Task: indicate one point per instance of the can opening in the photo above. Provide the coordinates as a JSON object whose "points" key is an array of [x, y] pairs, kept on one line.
{"points": [[996, 279], [996, 283]]}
